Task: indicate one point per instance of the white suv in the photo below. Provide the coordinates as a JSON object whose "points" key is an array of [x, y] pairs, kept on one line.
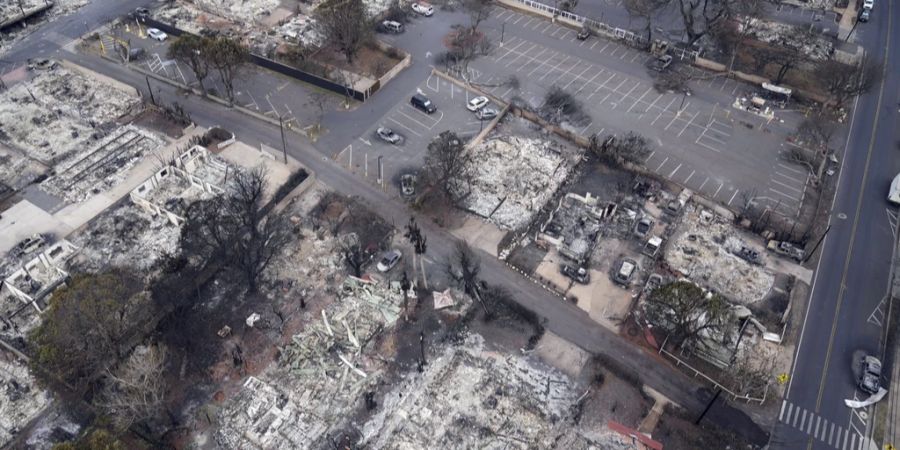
{"points": [[423, 8]]}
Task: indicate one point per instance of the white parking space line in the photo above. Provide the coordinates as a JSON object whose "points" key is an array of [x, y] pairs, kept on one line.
{"points": [[519, 55], [689, 177], [636, 56], [538, 24], [613, 53], [709, 147], [781, 414], [700, 189], [528, 22], [549, 25], [792, 169], [671, 175], [554, 67], [588, 82], [716, 194], [604, 47], [519, 19], [786, 186], [729, 204], [629, 93], [663, 111], [511, 50], [564, 73], [624, 53], [662, 164], [404, 126], [792, 198], [704, 135], [557, 31], [503, 13], [578, 77], [595, 44], [639, 99]]}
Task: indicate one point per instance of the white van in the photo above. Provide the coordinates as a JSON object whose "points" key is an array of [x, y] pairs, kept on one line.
{"points": [[390, 26]]}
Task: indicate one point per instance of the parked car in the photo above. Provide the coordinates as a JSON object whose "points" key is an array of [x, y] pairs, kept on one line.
{"points": [[785, 248], [408, 184], [486, 113], [870, 375], [29, 245], [626, 271], [156, 33], [41, 64], [386, 134], [868, 4], [140, 13], [584, 33], [643, 227], [580, 274], [661, 63], [750, 255], [390, 26], [136, 53], [864, 15], [477, 103], [422, 102], [389, 260], [423, 8], [654, 281]]}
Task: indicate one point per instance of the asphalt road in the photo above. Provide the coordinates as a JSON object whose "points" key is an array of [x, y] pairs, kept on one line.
{"points": [[562, 318], [844, 317]]}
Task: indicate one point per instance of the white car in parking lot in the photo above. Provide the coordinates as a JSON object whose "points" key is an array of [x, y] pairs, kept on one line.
{"points": [[156, 33], [477, 103], [423, 8]]}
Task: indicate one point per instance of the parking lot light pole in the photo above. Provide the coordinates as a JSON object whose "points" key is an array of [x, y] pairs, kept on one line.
{"points": [[283, 142]]}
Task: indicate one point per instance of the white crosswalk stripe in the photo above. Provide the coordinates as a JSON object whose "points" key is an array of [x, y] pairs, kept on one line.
{"points": [[818, 427]]}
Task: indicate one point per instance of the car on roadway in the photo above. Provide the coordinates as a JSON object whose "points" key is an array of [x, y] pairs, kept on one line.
{"points": [[486, 113], [156, 33], [868, 4], [41, 64], [423, 8], [388, 135], [870, 375], [477, 103], [140, 13], [29, 245], [389, 260], [422, 103]]}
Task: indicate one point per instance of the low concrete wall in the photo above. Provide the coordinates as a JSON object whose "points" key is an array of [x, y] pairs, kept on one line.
{"points": [[404, 63], [28, 13]]}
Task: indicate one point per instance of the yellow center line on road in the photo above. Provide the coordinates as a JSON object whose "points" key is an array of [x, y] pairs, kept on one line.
{"points": [[859, 199]]}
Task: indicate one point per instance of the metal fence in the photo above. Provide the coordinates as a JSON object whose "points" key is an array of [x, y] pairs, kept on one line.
{"points": [[620, 34]]}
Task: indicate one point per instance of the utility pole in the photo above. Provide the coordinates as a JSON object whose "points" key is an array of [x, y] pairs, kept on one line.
{"points": [[816, 247], [708, 406], [283, 142], [150, 90]]}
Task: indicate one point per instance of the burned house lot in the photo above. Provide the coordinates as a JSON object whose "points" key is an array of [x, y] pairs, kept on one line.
{"points": [[466, 224]]}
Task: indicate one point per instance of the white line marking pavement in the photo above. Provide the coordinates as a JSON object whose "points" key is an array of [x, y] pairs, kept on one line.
{"points": [[519, 54], [689, 177], [783, 194], [636, 56], [588, 82], [689, 123], [701, 188], [803, 421], [809, 425], [818, 421], [785, 185], [781, 414], [595, 44], [539, 23], [719, 189], [673, 172], [519, 19], [528, 22], [604, 47], [549, 25], [729, 204], [557, 31], [629, 92], [403, 126], [792, 169], [554, 67], [641, 98], [511, 49], [662, 163]]}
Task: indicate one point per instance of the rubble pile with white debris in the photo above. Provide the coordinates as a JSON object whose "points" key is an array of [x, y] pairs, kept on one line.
{"points": [[126, 236], [780, 34], [17, 171], [703, 251], [21, 400], [243, 12], [321, 375], [469, 397], [514, 177], [104, 167], [60, 115]]}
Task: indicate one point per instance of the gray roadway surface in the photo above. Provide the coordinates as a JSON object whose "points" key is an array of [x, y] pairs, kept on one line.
{"points": [[562, 318], [846, 310]]}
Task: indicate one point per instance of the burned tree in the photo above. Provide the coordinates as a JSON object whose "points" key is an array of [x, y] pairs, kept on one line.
{"points": [[478, 11], [346, 24], [463, 44], [136, 389], [630, 148], [191, 50], [843, 81], [228, 57], [354, 257], [559, 104], [817, 132], [687, 313], [88, 327], [235, 228], [464, 268], [646, 10], [448, 166], [699, 17]]}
